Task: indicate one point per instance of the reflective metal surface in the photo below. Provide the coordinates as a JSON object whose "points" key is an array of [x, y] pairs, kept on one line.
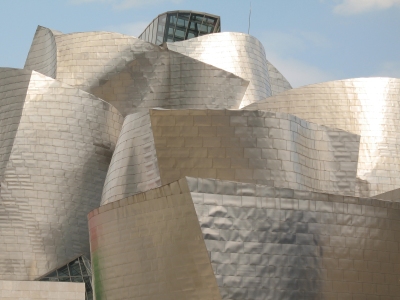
{"points": [[238, 53], [248, 146], [134, 167], [365, 106], [42, 56], [77, 270], [58, 143], [150, 246], [134, 75], [283, 230], [277, 81], [262, 243], [180, 25]]}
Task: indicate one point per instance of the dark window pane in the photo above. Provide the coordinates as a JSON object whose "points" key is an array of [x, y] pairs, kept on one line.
{"points": [[64, 279], [179, 34], [63, 271], [74, 268]]}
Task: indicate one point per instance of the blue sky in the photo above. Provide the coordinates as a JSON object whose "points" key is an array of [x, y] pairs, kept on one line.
{"points": [[309, 41]]}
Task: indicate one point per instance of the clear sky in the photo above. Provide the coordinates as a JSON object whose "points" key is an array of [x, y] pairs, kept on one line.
{"points": [[309, 41]]}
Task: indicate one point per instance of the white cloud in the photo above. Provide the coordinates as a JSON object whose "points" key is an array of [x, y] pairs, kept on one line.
{"points": [[133, 29], [351, 7], [124, 4]]}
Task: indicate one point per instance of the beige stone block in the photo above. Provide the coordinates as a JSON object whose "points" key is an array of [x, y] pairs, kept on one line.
{"points": [[193, 142], [226, 174], [184, 120], [198, 152], [211, 142], [202, 120], [207, 173], [221, 163], [207, 131], [216, 152]]}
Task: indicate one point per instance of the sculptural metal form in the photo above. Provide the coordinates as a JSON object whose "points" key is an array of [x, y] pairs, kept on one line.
{"points": [[127, 131]]}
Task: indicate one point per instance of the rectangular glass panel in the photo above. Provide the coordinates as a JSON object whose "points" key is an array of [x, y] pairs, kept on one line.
{"points": [[154, 36], [179, 34]]}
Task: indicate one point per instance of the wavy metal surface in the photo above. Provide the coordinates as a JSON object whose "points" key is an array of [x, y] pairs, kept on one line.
{"points": [[60, 151], [262, 242], [275, 149], [277, 81], [162, 78], [133, 75], [238, 53], [42, 56], [134, 167], [150, 246], [13, 88], [366, 106]]}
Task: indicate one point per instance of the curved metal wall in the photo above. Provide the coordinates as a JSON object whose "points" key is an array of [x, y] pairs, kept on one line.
{"points": [[134, 75], [259, 147], [54, 175], [262, 243], [134, 167], [13, 88], [150, 246], [238, 53], [276, 149], [42, 56], [365, 106], [163, 78], [277, 81]]}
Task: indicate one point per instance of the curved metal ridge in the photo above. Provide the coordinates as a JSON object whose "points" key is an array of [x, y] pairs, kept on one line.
{"points": [[365, 106]]}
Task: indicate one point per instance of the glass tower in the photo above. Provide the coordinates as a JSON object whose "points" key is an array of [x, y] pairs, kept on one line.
{"points": [[179, 26]]}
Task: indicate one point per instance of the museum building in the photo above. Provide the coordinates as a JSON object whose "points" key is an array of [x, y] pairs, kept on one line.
{"points": [[183, 165]]}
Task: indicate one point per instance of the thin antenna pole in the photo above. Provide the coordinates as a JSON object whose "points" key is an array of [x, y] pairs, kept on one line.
{"points": [[248, 31]]}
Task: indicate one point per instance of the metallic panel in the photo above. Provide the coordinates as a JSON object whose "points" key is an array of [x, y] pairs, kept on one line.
{"points": [[42, 56], [393, 195], [263, 243], [13, 88], [60, 152], [86, 59], [276, 149], [163, 78], [23, 290], [134, 167], [238, 53], [134, 75], [150, 246], [365, 106], [277, 81]]}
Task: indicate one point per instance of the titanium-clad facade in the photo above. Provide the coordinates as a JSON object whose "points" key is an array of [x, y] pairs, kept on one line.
{"points": [[58, 142], [365, 106], [111, 124], [162, 146], [251, 241], [133, 75], [238, 53], [42, 56]]}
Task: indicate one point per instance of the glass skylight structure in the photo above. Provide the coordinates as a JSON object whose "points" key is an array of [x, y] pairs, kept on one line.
{"points": [[77, 270], [180, 25]]}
